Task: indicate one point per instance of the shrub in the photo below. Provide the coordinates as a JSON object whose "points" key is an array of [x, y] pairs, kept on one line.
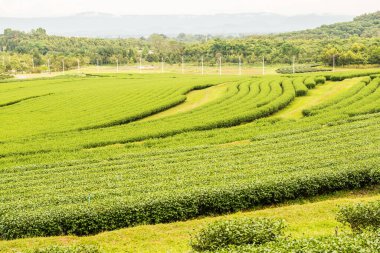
{"points": [[67, 249], [302, 69], [367, 79], [4, 76], [239, 231], [310, 83], [320, 79], [361, 216], [345, 75], [367, 242], [299, 86]]}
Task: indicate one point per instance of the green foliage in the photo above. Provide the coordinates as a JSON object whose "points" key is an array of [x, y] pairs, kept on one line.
{"points": [[369, 105], [90, 219], [4, 76], [350, 43], [149, 111], [256, 99], [344, 75], [116, 101], [171, 168], [366, 25], [367, 242], [356, 93], [240, 231], [299, 86], [361, 216], [320, 80], [217, 237], [302, 69], [67, 249], [310, 82]]}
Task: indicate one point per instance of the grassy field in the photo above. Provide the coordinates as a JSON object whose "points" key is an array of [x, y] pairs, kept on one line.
{"points": [[86, 154]]}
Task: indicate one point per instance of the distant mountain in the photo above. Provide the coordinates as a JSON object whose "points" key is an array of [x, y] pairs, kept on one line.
{"points": [[366, 25], [107, 25]]}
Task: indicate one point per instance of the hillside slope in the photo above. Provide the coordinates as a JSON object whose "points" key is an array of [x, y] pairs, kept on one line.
{"points": [[367, 25], [112, 26]]}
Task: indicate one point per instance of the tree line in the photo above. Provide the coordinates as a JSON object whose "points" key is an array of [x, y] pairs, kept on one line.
{"points": [[37, 51]]}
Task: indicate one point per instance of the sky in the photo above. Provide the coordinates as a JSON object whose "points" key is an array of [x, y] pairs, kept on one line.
{"points": [[47, 8]]}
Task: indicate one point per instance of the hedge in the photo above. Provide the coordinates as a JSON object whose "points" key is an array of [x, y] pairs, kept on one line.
{"points": [[310, 82], [91, 219], [299, 86]]}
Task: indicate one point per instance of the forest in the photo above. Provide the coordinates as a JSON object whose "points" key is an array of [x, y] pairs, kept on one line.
{"points": [[350, 43]]}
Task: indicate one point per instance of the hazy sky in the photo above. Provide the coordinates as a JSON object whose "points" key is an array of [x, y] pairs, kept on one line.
{"points": [[42, 8]]}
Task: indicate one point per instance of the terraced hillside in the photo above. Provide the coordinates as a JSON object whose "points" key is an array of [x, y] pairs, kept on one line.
{"points": [[81, 156]]}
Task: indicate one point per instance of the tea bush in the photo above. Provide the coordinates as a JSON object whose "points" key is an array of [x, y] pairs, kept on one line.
{"points": [[67, 249], [367, 242], [239, 231], [361, 216]]}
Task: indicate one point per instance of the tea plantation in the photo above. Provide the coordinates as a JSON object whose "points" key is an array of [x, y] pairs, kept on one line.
{"points": [[76, 156]]}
